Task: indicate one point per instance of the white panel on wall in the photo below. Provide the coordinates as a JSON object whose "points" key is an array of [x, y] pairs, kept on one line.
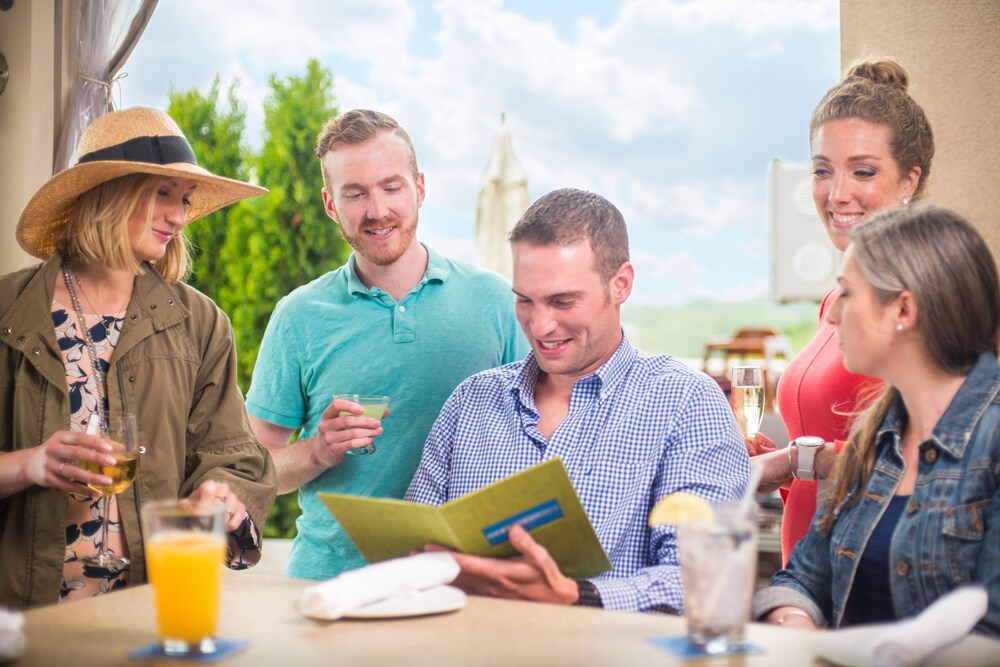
{"points": [[804, 262]]}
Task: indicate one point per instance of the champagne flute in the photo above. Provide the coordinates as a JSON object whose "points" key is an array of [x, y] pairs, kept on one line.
{"points": [[748, 398], [119, 429]]}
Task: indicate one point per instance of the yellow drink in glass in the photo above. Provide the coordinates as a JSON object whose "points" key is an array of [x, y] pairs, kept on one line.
{"points": [[186, 573], [185, 548], [122, 473]]}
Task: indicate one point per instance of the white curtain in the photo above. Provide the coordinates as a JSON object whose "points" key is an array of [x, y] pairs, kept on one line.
{"points": [[105, 33]]}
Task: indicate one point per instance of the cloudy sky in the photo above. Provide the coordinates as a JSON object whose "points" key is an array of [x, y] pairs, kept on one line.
{"points": [[671, 109]]}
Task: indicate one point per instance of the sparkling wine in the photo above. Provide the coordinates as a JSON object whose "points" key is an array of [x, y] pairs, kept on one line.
{"points": [[748, 405]]}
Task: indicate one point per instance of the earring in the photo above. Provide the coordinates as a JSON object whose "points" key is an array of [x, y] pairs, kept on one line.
{"points": [[899, 326], [906, 200]]}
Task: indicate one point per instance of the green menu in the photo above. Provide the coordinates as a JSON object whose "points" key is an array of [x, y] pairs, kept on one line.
{"points": [[540, 498]]}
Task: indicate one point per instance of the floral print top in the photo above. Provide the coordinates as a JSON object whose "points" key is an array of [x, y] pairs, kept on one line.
{"points": [[84, 514]]}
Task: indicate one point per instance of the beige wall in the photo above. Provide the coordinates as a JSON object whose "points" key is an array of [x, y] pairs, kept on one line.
{"points": [[952, 51], [33, 38]]}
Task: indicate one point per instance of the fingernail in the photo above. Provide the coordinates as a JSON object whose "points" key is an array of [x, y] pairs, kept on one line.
{"points": [[106, 446], [110, 461]]}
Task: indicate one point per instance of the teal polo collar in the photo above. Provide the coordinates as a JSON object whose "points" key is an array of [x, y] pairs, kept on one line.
{"points": [[438, 271]]}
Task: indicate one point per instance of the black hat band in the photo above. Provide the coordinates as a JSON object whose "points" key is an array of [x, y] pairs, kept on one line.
{"points": [[152, 150]]}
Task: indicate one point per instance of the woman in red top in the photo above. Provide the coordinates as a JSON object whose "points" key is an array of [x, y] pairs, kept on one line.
{"points": [[871, 148]]}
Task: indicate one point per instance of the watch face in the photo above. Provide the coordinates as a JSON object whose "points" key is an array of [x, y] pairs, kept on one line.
{"points": [[809, 441]]}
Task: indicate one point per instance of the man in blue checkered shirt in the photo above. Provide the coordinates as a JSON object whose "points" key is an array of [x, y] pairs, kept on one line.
{"points": [[629, 428]]}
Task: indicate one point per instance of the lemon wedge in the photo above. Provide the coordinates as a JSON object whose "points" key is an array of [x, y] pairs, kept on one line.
{"points": [[680, 507]]}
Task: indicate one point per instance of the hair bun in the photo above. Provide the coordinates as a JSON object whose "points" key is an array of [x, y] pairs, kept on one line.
{"points": [[885, 71]]}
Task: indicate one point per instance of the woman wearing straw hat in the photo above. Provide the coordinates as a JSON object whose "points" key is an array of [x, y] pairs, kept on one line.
{"points": [[104, 323]]}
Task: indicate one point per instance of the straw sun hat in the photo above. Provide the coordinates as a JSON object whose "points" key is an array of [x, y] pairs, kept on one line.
{"points": [[134, 141]]}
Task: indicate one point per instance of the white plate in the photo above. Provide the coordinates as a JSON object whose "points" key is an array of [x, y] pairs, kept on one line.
{"points": [[435, 600]]}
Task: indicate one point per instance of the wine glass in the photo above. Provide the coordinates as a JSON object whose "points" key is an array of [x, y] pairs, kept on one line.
{"points": [[119, 429], [748, 398]]}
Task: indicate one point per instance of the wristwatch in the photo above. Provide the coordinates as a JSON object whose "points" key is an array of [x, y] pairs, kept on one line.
{"points": [[807, 446], [589, 597]]}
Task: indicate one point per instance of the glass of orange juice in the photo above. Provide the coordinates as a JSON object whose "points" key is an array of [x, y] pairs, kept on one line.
{"points": [[185, 548]]}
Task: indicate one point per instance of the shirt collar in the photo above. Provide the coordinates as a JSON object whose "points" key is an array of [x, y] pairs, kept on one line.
{"points": [[611, 373], [438, 271], [954, 430]]}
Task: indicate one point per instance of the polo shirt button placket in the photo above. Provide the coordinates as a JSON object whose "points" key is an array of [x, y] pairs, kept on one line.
{"points": [[403, 324]]}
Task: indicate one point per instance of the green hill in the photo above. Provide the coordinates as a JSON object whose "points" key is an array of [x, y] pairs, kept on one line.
{"points": [[684, 331]]}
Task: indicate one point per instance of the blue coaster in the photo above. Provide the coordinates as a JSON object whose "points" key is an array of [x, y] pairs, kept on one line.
{"points": [[223, 649], [682, 648]]}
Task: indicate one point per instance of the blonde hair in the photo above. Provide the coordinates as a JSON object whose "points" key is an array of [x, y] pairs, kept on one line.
{"points": [[942, 260], [97, 232], [876, 91]]}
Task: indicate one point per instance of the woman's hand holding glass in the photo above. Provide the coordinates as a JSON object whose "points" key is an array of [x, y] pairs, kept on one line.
{"points": [[56, 462], [759, 443]]}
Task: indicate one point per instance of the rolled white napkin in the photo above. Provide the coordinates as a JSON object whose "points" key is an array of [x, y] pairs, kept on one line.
{"points": [[947, 620], [11, 634], [351, 590]]}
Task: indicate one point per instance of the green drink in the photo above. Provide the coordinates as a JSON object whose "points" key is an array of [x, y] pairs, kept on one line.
{"points": [[374, 407]]}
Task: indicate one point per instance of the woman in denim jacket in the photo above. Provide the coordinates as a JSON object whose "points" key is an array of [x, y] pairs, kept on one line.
{"points": [[913, 509]]}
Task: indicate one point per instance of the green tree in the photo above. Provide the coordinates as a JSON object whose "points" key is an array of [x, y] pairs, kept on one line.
{"points": [[284, 239], [252, 254], [216, 135]]}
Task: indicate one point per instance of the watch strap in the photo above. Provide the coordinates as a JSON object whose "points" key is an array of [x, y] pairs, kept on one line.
{"points": [[589, 595], [807, 446]]}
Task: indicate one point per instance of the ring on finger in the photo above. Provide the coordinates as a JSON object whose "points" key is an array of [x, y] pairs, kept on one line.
{"points": [[61, 466]]}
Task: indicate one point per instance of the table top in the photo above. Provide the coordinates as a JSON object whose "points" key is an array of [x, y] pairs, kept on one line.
{"points": [[262, 609]]}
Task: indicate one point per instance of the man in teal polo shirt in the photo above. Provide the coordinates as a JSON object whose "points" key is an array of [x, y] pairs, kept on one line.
{"points": [[397, 319]]}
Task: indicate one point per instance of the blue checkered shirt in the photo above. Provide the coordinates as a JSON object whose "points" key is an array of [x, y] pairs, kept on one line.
{"points": [[638, 429]]}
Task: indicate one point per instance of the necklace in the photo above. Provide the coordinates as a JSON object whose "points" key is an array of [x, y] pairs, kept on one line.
{"points": [[91, 348], [106, 322]]}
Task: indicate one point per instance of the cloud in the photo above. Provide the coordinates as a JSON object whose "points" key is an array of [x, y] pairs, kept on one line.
{"points": [[695, 208], [750, 17], [670, 109]]}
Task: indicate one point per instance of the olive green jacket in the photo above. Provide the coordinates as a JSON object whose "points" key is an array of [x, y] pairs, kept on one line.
{"points": [[174, 366]]}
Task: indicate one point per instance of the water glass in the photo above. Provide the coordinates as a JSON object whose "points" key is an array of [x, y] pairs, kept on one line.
{"points": [[718, 570]]}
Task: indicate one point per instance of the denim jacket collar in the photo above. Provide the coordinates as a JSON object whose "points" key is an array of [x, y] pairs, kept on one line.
{"points": [[954, 429]]}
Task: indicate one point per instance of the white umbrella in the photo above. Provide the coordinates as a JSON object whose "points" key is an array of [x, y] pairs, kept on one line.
{"points": [[502, 200]]}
